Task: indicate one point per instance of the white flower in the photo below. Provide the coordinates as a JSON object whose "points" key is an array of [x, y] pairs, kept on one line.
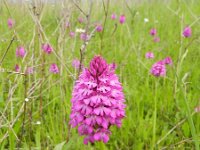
{"points": [[80, 30], [38, 122], [26, 99], [146, 20]]}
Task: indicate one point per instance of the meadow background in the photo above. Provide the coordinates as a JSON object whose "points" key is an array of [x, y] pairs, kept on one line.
{"points": [[160, 110]]}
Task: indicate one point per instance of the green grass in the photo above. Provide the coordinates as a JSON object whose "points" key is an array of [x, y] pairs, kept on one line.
{"points": [[160, 111]]}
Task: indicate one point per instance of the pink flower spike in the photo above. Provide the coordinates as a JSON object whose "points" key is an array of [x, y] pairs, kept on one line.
{"points": [[113, 16], [17, 68], [149, 55], [80, 20], [168, 61], [47, 48], [158, 69], [67, 24], [29, 70], [153, 31], [122, 19], [99, 28], [72, 34], [76, 63], [20, 52], [11, 23], [187, 32], [54, 69], [98, 97], [156, 39], [84, 36]]}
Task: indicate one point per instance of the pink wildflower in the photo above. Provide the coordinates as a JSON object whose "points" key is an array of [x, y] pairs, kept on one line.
{"points": [[187, 32], [54, 69], [149, 55], [168, 61], [84, 36], [72, 34], [47, 48], [153, 31], [113, 16], [97, 101], [158, 69], [11, 23], [67, 24], [80, 20], [17, 69], [122, 19], [99, 28], [76, 63], [29, 70], [156, 39], [20, 52]]}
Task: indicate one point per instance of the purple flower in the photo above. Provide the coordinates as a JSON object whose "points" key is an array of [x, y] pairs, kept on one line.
{"points": [[17, 69], [54, 69], [67, 24], [153, 31], [113, 16], [72, 34], [80, 20], [29, 70], [122, 19], [149, 55], [47, 48], [20, 52], [97, 101], [99, 28], [187, 32], [11, 23], [84, 36], [158, 69], [168, 61], [76, 63], [156, 39]]}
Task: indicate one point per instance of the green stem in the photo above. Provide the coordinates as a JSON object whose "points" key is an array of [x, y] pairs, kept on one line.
{"points": [[190, 120]]}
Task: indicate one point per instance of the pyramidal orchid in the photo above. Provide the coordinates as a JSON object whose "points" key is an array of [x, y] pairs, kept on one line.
{"points": [[54, 68], [122, 19], [11, 23], [168, 61], [20, 52], [187, 32], [158, 69], [149, 55], [47, 48], [97, 101]]}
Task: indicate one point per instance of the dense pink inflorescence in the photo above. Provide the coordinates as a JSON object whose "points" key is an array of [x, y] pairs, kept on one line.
{"points": [[99, 28], [168, 61], [158, 69], [47, 48], [113, 16], [72, 34], [122, 19], [187, 32], [20, 52], [54, 68], [11, 23], [97, 101], [153, 31], [17, 68], [76, 63], [149, 55]]}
